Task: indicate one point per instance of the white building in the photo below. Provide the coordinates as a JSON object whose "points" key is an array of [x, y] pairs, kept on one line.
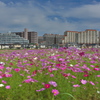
{"points": [[70, 36], [88, 36]]}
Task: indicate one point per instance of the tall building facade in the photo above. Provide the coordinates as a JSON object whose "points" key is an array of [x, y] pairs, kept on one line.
{"points": [[25, 33], [88, 36], [71, 36], [33, 37]]}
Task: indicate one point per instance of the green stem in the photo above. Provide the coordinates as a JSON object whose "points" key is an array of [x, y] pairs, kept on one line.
{"points": [[70, 95]]}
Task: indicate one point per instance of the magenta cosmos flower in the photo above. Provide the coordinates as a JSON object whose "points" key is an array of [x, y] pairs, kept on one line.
{"points": [[97, 69], [85, 75], [81, 53], [47, 85], [55, 92], [17, 69]]}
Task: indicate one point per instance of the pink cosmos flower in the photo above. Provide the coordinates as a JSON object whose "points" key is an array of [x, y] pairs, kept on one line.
{"points": [[54, 69], [98, 75], [93, 62], [49, 70], [1, 67], [91, 83], [21, 75], [76, 85], [53, 83], [28, 76], [88, 69], [73, 76], [86, 72], [29, 80], [11, 63], [34, 72], [8, 75], [83, 81], [0, 72], [0, 76], [3, 75], [92, 65], [66, 75], [42, 89], [63, 68], [61, 59], [8, 87], [9, 68], [4, 82], [25, 61], [77, 65], [97, 69], [46, 73], [17, 69], [55, 92], [51, 75]]}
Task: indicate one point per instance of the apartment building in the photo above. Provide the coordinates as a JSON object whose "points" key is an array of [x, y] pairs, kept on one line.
{"points": [[71, 36], [33, 37], [89, 36]]}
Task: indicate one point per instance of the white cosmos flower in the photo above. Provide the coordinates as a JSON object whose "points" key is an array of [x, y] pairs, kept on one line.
{"points": [[2, 63], [71, 65], [90, 58], [26, 54], [1, 85], [56, 51], [98, 91], [52, 54], [35, 58]]}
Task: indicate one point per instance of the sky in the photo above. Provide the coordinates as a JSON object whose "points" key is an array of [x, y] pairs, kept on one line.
{"points": [[49, 16]]}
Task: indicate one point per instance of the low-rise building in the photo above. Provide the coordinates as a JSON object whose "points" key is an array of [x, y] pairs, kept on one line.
{"points": [[32, 36], [8, 38], [52, 39]]}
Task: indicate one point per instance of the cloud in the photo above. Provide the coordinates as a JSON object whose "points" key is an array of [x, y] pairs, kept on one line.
{"points": [[85, 11], [47, 18]]}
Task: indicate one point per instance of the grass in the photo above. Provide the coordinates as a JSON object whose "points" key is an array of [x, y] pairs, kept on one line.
{"points": [[27, 71]]}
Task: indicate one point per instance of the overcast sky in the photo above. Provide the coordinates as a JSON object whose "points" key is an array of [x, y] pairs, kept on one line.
{"points": [[49, 16]]}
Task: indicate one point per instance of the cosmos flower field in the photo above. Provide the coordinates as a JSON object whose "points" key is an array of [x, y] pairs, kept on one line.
{"points": [[50, 74]]}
